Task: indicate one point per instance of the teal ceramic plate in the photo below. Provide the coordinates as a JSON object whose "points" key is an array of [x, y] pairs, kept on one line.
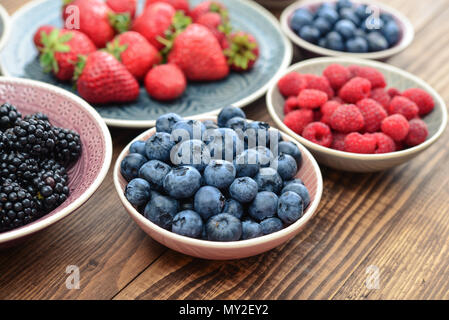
{"points": [[20, 59], [4, 27]]}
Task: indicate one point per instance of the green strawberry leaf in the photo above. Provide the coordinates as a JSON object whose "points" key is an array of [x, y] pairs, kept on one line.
{"points": [[241, 51], [121, 22], [116, 49], [180, 22], [79, 67]]}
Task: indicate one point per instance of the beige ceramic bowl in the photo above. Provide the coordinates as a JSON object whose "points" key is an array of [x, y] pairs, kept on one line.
{"points": [[395, 77], [407, 31], [311, 175]]}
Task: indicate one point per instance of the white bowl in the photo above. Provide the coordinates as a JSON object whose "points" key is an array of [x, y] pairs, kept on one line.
{"points": [[404, 24], [395, 77]]}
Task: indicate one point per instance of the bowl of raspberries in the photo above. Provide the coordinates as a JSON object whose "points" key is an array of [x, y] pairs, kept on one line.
{"points": [[55, 151], [218, 188], [362, 29], [357, 115]]}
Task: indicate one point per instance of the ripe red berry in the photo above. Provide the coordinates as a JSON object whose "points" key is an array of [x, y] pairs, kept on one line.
{"points": [[337, 75], [355, 89], [347, 118], [393, 92], [290, 105], [384, 144], [374, 76], [311, 99], [327, 110], [404, 106], [291, 84], [417, 134], [319, 83], [338, 141], [318, 133], [373, 114], [297, 120], [358, 143], [165, 82], [381, 95], [423, 100], [396, 126]]}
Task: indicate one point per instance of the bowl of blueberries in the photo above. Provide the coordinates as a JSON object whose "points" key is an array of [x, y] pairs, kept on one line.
{"points": [[366, 29], [219, 188]]}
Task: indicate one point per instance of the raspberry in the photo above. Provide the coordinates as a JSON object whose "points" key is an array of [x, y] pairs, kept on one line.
{"points": [[347, 118], [327, 110], [338, 99], [338, 142], [400, 145], [417, 134], [311, 99], [291, 104], [318, 133], [374, 76], [358, 143], [381, 95], [423, 100], [404, 106], [291, 84], [393, 92], [354, 70], [337, 75], [355, 89], [373, 114], [319, 83], [297, 120], [317, 115], [395, 126], [384, 144]]}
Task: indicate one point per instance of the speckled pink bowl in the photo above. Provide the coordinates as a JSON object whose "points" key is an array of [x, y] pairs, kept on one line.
{"points": [[310, 173], [69, 111]]}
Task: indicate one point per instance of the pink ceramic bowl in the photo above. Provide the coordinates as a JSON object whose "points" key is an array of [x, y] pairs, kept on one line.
{"points": [[310, 173], [69, 111]]}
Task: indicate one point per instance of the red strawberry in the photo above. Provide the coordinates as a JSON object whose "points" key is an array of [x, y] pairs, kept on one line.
{"points": [[101, 79], [60, 50], [182, 5], [123, 6], [216, 25], [154, 22], [38, 35], [135, 52], [165, 82], [209, 6], [241, 50], [197, 52]]}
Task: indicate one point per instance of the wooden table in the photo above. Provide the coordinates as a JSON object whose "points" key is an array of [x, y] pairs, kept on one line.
{"points": [[395, 222]]}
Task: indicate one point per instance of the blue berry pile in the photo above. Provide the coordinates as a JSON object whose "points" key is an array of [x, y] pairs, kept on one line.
{"points": [[225, 181], [346, 26]]}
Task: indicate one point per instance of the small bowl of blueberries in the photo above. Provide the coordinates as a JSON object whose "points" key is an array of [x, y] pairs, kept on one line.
{"points": [[219, 188], [364, 29]]}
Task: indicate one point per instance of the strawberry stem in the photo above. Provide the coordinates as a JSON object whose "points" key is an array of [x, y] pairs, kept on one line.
{"points": [[121, 22], [180, 22], [52, 43], [116, 49], [79, 67]]}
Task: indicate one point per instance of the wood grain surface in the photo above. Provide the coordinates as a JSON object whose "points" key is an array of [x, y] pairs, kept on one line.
{"points": [[395, 222]]}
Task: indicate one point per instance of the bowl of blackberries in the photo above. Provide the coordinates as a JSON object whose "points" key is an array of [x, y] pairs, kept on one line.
{"points": [[218, 188], [55, 151], [363, 29]]}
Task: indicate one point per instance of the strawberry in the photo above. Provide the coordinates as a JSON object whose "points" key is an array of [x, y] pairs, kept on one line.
{"points": [[60, 49], [241, 50], [182, 5], [123, 6], [101, 79], [199, 55], [165, 82], [214, 22], [135, 52], [155, 20], [38, 35], [99, 22], [209, 6]]}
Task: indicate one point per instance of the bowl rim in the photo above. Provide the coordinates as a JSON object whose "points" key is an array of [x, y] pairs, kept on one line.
{"points": [[342, 154], [407, 38], [144, 124], [6, 27], [48, 220], [290, 230]]}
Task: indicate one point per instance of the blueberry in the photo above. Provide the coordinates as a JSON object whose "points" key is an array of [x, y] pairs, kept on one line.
{"points": [[210, 124], [322, 25], [257, 134], [263, 206], [188, 223], [234, 208], [271, 225], [182, 182], [209, 201], [247, 163], [286, 166], [159, 146], [296, 180], [349, 14], [299, 189], [372, 23], [361, 12], [269, 179], [166, 122], [186, 204], [360, 33], [251, 229], [244, 189], [376, 41], [129, 168], [223, 143], [357, 45], [219, 174], [326, 6], [346, 28], [193, 153], [224, 227], [138, 192], [265, 156], [154, 172], [322, 42], [386, 17], [236, 123], [344, 4], [290, 148], [290, 207], [329, 14], [310, 34], [187, 129], [137, 147], [300, 18], [334, 41], [161, 210], [391, 32], [228, 113]]}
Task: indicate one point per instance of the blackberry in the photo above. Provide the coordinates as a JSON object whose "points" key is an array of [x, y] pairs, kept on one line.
{"points": [[37, 116], [17, 206], [68, 145], [8, 116], [18, 166]]}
